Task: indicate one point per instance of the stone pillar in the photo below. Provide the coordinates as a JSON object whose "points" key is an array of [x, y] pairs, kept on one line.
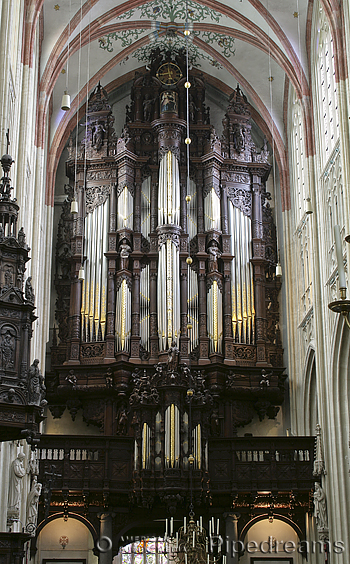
{"points": [[231, 526], [106, 538]]}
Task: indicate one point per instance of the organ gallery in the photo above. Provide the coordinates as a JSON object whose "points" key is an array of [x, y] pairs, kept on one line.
{"points": [[167, 334]]}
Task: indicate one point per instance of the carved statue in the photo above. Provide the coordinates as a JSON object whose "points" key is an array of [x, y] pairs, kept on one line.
{"points": [[33, 500], [206, 118], [192, 109], [36, 386], [28, 291], [128, 114], [147, 108], [17, 473], [97, 136], [265, 378], [109, 378], [214, 255], [21, 237], [124, 251], [215, 423], [122, 421], [238, 138], [173, 357], [7, 349], [320, 507], [71, 378]]}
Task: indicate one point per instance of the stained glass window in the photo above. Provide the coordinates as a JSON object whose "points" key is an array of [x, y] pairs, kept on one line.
{"points": [[152, 550]]}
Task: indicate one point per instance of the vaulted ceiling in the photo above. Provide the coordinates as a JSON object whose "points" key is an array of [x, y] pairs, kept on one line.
{"points": [[256, 43]]}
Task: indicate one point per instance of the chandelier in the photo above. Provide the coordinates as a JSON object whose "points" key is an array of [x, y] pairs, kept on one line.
{"points": [[191, 544]]}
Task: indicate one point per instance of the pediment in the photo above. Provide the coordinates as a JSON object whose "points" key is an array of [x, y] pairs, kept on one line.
{"points": [[12, 295]]}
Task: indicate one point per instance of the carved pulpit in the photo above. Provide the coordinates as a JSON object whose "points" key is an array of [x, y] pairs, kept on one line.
{"points": [[21, 391]]}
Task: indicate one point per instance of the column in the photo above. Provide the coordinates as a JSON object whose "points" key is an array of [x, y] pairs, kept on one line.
{"points": [[202, 315], [258, 261], [112, 263], [135, 313], [106, 538], [154, 200], [231, 525], [153, 311], [75, 296]]}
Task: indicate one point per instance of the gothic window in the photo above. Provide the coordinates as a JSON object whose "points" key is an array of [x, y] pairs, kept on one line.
{"points": [[328, 115], [298, 160]]}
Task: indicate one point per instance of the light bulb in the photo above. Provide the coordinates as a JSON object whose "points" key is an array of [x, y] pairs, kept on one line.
{"points": [[187, 84], [189, 260], [74, 207], [188, 199], [187, 140], [65, 105], [187, 32]]}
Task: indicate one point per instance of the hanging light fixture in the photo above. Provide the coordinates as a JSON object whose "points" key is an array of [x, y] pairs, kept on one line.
{"points": [[308, 206], [278, 270], [74, 207], [81, 274], [65, 104]]}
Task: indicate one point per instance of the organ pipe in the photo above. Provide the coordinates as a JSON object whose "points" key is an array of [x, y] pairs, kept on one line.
{"points": [[192, 211], [146, 446], [144, 307], [93, 308], [125, 209], [172, 436], [214, 318], [212, 215], [243, 312], [146, 207], [197, 446], [192, 307], [123, 317], [168, 294], [169, 191]]}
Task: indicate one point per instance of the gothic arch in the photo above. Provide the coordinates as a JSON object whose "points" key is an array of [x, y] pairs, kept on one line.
{"points": [[310, 394]]}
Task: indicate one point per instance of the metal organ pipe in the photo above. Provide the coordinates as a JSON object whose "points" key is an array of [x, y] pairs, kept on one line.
{"points": [[144, 307], [146, 207], [93, 308], [242, 277], [212, 217]]}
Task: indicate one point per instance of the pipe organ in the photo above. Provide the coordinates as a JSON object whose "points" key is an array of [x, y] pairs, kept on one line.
{"points": [[173, 336]]}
